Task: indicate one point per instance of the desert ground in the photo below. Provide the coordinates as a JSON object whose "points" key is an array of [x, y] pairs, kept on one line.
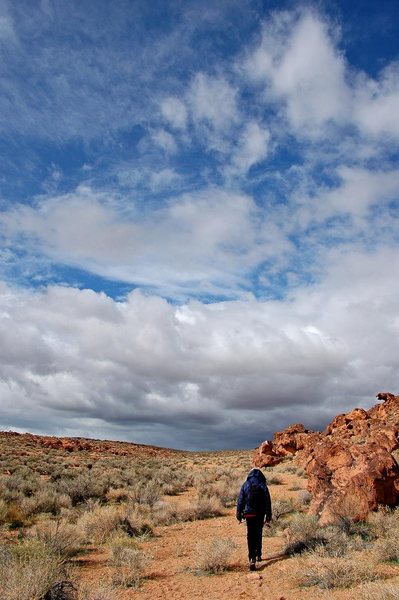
{"points": [[135, 522]]}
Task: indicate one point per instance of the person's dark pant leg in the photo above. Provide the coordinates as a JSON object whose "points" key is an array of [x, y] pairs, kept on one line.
{"points": [[254, 536], [258, 536]]}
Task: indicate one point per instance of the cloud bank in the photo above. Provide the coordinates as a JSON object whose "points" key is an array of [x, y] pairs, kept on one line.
{"points": [[199, 374]]}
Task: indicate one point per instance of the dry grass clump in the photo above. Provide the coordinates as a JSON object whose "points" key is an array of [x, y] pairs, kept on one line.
{"points": [[303, 498], [282, 507], [137, 520], [213, 557], [145, 493], [303, 533], [203, 507], [84, 486], [130, 562], [384, 521], [3, 512], [45, 501], [379, 590], [62, 538], [98, 525], [274, 480], [104, 591], [167, 513], [387, 548], [326, 572], [28, 570], [222, 483]]}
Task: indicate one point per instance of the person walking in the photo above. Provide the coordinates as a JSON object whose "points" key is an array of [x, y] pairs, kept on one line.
{"points": [[255, 506]]}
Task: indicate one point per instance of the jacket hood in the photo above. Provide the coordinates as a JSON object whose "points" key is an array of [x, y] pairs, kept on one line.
{"points": [[257, 475]]}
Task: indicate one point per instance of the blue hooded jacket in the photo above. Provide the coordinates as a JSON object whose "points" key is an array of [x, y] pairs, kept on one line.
{"points": [[245, 498]]}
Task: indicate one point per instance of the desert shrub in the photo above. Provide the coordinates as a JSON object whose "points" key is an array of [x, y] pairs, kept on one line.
{"points": [[148, 493], [346, 513], [292, 468], [27, 571], [82, 487], [303, 533], [60, 537], [45, 501], [103, 591], [173, 480], [379, 590], [130, 563], [274, 480], [98, 524], [384, 522], [327, 572], [3, 511], [213, 557], [387, 548], [16, 517], [118, 543], [303, 498], [118, 495], [137, 522], [226, 486], [167, 513], [23, 481], [282, 507], [303, 527], [203, 507]]}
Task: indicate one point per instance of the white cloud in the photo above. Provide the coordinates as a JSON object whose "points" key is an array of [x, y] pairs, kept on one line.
{"points": [[197, 370], [306, 70], [252, 147], [175, 112], [208, 241], [359, 192], [165, 140], [376, 107], [300, 64], [213, 100]]}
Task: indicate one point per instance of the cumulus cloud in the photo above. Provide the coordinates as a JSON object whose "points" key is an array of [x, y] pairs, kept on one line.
{"points": [[377, 103], [196, 371], [300, 63], [210, 240]]}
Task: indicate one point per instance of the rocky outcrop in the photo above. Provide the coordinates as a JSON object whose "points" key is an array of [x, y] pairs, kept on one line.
{"points": [[350, 466], [285, 443]]}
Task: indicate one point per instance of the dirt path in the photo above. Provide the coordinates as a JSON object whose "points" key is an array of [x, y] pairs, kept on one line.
{"points": [[170, 575]]}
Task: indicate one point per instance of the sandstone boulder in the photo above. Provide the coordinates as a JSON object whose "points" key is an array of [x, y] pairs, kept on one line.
{"points": [[350, 466]]}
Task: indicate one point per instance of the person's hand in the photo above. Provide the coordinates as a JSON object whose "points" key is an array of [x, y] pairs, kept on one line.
{"points": [[239, 517]]}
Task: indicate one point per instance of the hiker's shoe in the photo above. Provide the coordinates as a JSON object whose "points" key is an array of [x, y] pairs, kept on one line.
{"points": [[252, 565], [259, 558]]}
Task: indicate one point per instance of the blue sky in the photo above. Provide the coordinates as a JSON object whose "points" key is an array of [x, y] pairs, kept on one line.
{"points": [[198, 216]]}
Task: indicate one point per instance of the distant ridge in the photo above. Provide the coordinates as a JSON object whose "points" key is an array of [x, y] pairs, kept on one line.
{"points": [[95, 447]]}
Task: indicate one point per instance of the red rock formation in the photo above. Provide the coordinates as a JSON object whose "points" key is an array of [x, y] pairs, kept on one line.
{"points": [[350, 463]]}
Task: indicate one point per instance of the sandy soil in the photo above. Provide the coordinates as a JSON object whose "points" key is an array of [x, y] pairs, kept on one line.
{"points": [[170, 573]]}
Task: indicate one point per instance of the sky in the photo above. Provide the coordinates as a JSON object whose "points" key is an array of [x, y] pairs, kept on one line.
{"points": [[199, 216]]}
